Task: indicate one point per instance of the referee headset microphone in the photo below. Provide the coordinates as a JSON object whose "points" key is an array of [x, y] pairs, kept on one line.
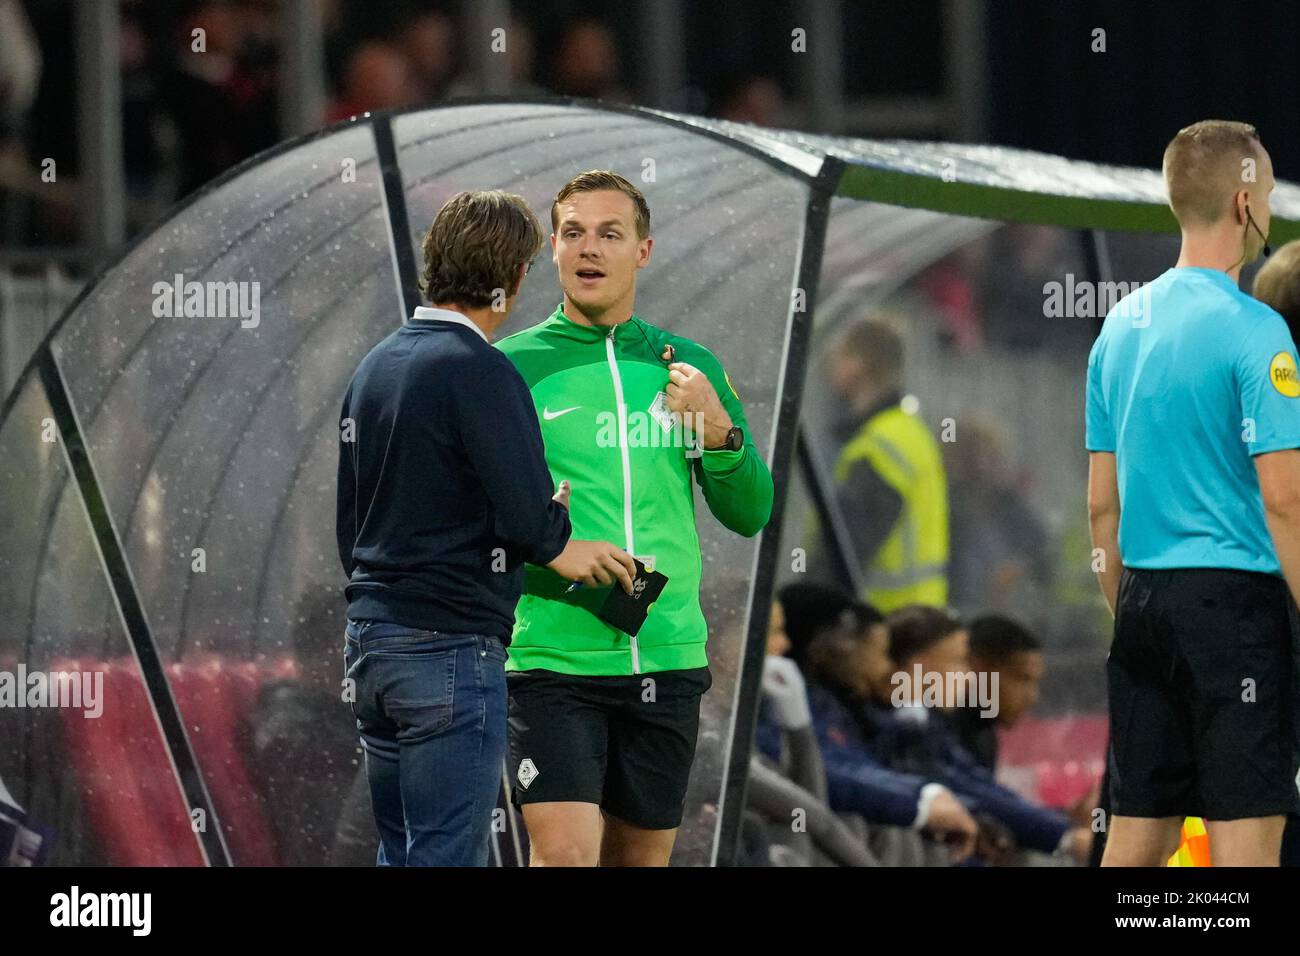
{"points": [[1251, 220], [667, 356]]}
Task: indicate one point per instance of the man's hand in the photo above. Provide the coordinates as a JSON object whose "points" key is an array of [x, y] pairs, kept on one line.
{"points": [[952, 823], [595, 563], [692, 395]]}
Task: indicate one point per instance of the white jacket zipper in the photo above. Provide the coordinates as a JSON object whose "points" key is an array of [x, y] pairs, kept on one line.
{"points": [[627, 467]]}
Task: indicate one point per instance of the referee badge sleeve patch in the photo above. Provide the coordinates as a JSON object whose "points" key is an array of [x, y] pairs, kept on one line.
{"points": [[1282, 373]]}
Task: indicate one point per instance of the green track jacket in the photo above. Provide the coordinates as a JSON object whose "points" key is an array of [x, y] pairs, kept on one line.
{"points": [[600, 398]]}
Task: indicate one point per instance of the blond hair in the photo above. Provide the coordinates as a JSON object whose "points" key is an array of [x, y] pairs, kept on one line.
{"points": [[1277, 284], [1204, 167]]}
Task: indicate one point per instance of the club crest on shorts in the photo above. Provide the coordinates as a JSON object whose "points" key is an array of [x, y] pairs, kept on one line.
{"points": [[527, 772]]}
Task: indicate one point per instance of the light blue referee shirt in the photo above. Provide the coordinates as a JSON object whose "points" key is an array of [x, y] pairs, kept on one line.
{"points": [[1190, 378]]}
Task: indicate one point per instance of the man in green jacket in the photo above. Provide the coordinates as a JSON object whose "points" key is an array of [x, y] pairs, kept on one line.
{"points": [[603, 725]]}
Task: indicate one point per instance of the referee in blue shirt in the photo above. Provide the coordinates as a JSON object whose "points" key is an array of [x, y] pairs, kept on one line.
{"points": [[1193, 430]]}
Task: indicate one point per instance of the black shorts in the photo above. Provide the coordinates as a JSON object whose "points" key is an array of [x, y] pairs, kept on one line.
{"points": [[1203, 695], [624, 743]]}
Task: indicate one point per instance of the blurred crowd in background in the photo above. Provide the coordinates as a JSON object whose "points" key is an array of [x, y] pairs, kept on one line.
{"points": [[191, 114], [1040, 77]]}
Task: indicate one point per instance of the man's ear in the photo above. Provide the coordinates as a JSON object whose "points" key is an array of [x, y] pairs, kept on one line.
{"points": [[1241, 205]]}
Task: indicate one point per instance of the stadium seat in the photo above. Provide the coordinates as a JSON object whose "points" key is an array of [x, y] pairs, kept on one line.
{"points": [[1063, 756], [215, 698], [127, 783]]}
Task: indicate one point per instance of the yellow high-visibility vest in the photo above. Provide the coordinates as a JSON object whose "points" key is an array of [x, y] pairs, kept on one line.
{"points": [[911, 566]]}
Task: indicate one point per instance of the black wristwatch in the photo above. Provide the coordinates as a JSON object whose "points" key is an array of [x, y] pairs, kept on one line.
{"points": [[735, 439]]}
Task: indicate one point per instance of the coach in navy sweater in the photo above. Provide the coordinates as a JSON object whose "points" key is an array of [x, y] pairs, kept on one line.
{"points": [[443, 494], [444, 490]]}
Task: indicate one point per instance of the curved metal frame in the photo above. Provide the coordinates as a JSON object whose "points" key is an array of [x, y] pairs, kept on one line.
{"points": [[835, 177]]}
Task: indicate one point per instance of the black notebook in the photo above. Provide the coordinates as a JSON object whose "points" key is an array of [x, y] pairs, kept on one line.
{"points": [[627, 612]]}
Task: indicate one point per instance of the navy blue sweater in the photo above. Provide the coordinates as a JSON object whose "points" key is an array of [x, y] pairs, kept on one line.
{"points": [[443, 491]]}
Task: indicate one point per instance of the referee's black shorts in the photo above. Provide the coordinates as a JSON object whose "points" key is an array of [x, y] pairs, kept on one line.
{"points": [[1204, 695], [624, 743]]}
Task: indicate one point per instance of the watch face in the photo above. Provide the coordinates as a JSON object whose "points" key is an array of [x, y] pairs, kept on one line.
{"points": [[735, 439]]}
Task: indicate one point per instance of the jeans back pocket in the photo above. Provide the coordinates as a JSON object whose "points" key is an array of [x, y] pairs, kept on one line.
{"points": [[415, 690]]}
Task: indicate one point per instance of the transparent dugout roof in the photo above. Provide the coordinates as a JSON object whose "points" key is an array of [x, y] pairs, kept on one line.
{"points": [[204, 371]]}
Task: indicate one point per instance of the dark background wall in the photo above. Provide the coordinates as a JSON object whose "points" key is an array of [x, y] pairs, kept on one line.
{"points": [[1166, 65]]}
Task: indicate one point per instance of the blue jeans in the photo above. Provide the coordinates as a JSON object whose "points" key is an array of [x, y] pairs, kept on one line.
{"points": [[431, 711]]}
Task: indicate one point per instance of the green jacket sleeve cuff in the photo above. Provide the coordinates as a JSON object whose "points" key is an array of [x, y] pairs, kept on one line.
{"points": [[721, 460]]}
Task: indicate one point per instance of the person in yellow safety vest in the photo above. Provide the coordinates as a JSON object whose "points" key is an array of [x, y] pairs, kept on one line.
{"points": [[890, 480]]}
